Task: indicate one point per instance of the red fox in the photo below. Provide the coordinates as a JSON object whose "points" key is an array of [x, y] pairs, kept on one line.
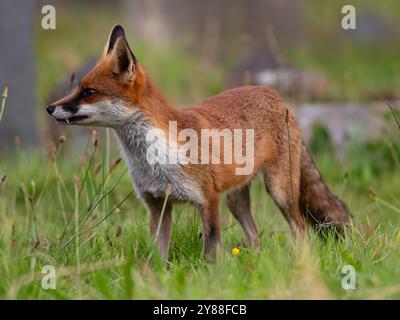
{"points": [[119, 94]]}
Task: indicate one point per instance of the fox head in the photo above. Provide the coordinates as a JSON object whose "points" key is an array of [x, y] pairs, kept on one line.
{"points": [[107, 95]]}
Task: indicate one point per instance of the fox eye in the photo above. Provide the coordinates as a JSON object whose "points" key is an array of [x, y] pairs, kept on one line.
{"points": [[87, 92]]}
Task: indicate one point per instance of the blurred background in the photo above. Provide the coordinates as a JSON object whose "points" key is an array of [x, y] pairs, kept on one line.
{"points": [[338, 81]]}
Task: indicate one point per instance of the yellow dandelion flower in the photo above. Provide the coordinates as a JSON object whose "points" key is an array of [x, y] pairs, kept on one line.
{"points": [[235, 251]]}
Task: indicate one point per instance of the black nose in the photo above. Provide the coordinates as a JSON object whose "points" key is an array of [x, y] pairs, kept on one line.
{"points": [[50, 108]]}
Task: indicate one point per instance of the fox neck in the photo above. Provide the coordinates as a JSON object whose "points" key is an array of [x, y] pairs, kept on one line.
{"points": [[155, 107], [153, 112]]}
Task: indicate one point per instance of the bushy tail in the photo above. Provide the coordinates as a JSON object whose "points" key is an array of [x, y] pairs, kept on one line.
{"points": [[317, 204]]}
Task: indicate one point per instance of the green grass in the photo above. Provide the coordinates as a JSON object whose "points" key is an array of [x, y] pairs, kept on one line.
{"points": [[46, 199]]}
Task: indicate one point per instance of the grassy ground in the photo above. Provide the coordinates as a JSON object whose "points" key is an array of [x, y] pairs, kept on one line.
{"points": [[74, 214]]}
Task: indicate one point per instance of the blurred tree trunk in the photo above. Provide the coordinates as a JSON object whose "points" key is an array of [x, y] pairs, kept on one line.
{"points": [[17, 70]]}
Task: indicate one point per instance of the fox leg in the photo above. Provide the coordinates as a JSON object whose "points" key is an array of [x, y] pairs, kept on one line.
{"points": [[238, 202], [160, 230], [209, 212], [285, 191]]}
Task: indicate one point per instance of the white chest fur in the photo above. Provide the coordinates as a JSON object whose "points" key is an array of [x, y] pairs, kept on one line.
{"points": [[153, 178]]}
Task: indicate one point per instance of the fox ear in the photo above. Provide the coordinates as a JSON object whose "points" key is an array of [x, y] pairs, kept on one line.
{"points": [[122, 59], [115, 33]]}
